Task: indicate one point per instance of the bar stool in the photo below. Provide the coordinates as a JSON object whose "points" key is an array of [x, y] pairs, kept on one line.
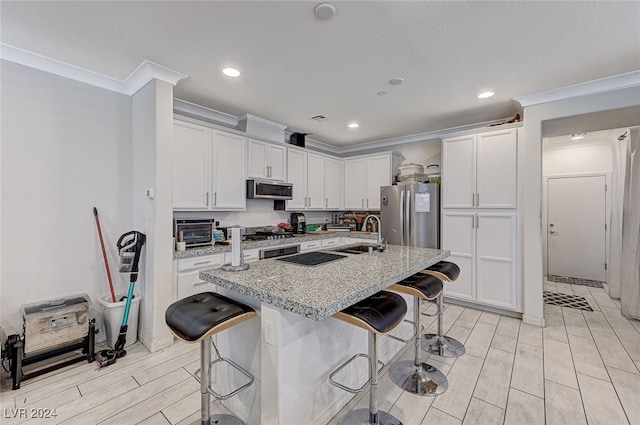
{"points": [[440, 344], [415, 376], [196, 319], [378, 314]]}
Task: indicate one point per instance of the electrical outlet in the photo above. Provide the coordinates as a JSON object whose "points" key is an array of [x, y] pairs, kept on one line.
{"points": [[269, 338], [289, 220]]}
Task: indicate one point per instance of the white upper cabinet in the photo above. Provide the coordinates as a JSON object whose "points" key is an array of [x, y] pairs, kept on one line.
{"points": [[191, 165], [332, 183], [316, 180], [354, 184], [229, 172], [480, 170], [297, 176], [363, 177], [209, 168], [266, 160]]}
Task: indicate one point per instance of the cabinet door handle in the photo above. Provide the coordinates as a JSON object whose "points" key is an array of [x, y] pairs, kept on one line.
{"points": [[477, 222], [305, 201], [207, 204], [309, 201], [201, 263], [477, 199], [362, 203], [200, 283], [326, 202], [473, 199], [367, 203], [215, 198]]}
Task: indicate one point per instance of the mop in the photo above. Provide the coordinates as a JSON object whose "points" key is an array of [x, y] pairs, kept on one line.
{"points": [[129, 247]]}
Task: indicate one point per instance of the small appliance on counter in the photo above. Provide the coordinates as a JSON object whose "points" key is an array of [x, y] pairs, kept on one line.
{"points": [[226, 231], [299, 223], [194, 232]]}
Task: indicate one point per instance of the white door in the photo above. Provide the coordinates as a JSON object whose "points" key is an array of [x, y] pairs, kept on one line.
{"points": [[354, 184], [459, 237], [332, 184], [229, 171], [378, 175], [191, 166], [576, 227], [297, 176], [459, 172], [315, 181]]}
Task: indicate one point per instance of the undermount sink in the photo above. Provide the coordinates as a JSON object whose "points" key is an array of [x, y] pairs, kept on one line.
{"points": [[357, 249]]}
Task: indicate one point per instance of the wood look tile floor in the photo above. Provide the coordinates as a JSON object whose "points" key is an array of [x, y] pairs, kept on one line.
{"points": [[583, 368]]}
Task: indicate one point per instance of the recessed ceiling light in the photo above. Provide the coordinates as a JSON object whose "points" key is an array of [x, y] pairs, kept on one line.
{"points": [[354, 125], [578, 136], [396, 81], [231, 72], [485, 94], [324, 11]]}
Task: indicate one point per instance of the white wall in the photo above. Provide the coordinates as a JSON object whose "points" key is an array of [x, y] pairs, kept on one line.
{"points": [[531, 189], [66, 147], [576, 159]]}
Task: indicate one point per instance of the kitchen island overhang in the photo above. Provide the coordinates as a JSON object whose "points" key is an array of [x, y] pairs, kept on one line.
{"points": [[295, 344], [317, 292]]}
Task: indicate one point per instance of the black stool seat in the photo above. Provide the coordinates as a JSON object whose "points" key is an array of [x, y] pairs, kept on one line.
{"points": [[201, 315], [444, 270], [419, 285], [380, 313]]}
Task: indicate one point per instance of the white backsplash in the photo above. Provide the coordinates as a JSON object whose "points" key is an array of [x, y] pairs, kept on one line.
{"points": [[258, 213]]}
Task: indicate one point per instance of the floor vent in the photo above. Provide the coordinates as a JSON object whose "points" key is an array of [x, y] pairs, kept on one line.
{"points": [[575, 281], [566, 300]]}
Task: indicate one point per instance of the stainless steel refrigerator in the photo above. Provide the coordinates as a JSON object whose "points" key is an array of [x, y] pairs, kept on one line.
{"points": [[410, 214]]}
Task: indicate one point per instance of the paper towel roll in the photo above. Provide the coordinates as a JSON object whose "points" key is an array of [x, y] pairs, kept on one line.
{"points": [[236, 251]]}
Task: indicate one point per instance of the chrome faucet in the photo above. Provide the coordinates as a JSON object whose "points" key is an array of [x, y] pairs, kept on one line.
{"points": [[381, 247]]}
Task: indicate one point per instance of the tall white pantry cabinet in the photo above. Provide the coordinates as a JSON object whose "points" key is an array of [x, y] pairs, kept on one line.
{"points": [[480, 217]]}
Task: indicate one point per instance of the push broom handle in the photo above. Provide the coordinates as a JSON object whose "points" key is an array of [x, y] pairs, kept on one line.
{"points": [[104, 255]]}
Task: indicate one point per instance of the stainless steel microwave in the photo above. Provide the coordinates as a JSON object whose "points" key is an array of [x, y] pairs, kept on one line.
{"points": [[264, 189]]}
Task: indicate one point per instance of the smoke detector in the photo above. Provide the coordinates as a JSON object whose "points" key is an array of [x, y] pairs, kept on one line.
{"points": [[324, 11]]}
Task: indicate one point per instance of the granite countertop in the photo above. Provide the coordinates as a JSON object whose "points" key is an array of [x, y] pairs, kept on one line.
{"points": [[318, 292], [217, 249]]}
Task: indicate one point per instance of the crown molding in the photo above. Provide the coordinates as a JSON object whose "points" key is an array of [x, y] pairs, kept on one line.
{"points": [[141, 76], [148, 71], [182, 107], [614, 82]]}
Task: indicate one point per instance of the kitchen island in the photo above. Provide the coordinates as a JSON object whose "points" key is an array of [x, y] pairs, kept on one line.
{"points": [[294, 343]]}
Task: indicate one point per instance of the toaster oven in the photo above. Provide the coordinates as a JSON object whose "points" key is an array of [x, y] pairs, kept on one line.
{"points": [[194, 232]]}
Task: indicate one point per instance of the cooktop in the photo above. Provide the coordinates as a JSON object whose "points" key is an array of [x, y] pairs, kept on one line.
{"points": [[311, 258]]}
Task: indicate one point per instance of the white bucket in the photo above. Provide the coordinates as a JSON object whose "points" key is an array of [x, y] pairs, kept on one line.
{"points": [[112, 314]]}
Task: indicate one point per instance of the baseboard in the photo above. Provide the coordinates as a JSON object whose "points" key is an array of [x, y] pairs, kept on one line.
{"points": [[535, 321], [483, 307], [155, 345]]}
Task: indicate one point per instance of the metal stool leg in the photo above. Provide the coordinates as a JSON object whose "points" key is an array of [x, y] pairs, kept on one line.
{"points": [[372, 415], [205, 396], [415, 376], [439, 344]]}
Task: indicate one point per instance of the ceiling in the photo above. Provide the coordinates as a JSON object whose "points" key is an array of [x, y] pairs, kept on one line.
{"points": [[294, 66]]}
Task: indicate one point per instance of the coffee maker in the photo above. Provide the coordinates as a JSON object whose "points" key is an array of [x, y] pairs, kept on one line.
{"points": [[299, 223]]}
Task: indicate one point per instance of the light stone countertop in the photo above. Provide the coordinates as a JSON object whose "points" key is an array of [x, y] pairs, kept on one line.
{"points": [[218, 249], [318, 292]]}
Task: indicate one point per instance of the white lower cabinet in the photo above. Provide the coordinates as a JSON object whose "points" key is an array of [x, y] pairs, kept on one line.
{"points": [[188, 269], [484, 246], [310, 246], [328, 243]]}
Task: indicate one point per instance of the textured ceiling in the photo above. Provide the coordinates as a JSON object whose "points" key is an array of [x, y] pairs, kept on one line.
{"points": [[295, 66]]}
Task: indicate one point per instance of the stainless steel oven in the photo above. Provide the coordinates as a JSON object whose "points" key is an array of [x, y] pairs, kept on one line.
{"points": [[194, 232]]}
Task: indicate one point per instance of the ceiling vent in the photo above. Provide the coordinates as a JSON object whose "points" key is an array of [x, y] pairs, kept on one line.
{"points": [[319, 118]]}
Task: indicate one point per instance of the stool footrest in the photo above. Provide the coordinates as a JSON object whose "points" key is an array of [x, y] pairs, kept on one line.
{"points": [[343, 365], [234, 365], [411, 338]]}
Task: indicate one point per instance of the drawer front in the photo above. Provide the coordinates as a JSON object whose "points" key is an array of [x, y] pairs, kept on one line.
{"points": [[310, 246], [326, 243], [248, 255], [200, 263], [191, 284]]}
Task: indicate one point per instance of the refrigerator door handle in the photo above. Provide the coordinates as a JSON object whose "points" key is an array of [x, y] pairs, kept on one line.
{"points": [[402, 223], [407, 212]]}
